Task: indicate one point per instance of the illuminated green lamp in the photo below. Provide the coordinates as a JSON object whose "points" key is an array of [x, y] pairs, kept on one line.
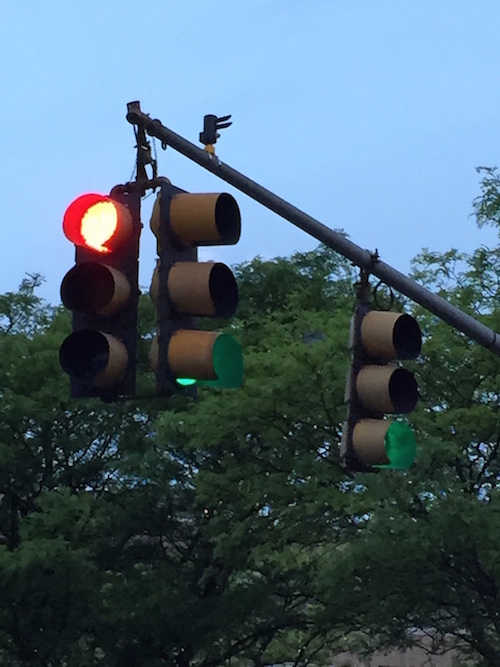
{"points": [[226, 365], [400, 447]]}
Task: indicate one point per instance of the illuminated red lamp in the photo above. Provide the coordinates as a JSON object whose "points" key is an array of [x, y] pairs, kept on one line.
{"points": [[97, 222]]}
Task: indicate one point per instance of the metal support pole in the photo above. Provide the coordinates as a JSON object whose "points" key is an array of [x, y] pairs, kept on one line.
{"points": [[362, 258]]}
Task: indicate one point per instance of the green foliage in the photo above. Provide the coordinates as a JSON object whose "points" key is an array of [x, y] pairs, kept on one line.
{"points": [[223, 531], [426, 563], [174, 533], [487, 204]]}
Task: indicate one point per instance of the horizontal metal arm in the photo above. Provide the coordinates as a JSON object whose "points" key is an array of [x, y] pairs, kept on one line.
{"points": [[335, 240]]}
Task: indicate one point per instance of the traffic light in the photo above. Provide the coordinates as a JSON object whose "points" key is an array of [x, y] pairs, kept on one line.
{"points": [[375, 387], [183, 289], [102, 291], [211, 125]]}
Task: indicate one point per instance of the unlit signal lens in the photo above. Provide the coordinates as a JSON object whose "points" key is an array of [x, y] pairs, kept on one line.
{"points": [[387, 335], [205, 219], [95, 289], [94, 357]]}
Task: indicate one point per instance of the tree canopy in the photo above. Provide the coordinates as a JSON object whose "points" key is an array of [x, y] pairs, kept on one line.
{"points": [[223, 530]]}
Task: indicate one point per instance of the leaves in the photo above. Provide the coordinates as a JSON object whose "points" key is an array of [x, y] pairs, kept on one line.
{"points": [[223, 531]]}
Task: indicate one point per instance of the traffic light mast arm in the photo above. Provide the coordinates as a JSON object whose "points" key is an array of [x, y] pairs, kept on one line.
{"points": [[335, 240]]}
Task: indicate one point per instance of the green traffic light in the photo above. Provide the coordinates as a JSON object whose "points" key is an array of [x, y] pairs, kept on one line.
{"points": [[227, 359], [185, 382], [400, 447]]}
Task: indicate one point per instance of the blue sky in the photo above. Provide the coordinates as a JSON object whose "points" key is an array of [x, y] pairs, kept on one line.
{"points": [[370, 116]]}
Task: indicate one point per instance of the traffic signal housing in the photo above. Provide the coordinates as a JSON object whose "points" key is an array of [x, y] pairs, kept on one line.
{"points": [[211, 125], [184, 289], [377, 385], [102, 292]]}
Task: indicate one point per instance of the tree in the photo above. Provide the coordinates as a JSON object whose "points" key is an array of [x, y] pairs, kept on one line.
{"points": [[60, 463], [174, 532], [223, 531], [426, 564]]}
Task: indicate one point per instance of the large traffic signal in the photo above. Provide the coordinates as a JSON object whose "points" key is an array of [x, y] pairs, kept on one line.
{"points": [[183, 289], [375, 387], [102, 291]]}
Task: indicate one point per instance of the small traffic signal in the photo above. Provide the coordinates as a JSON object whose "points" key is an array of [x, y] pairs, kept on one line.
{"points": [[211, 125], [102, 292], [184, 289], [375, 387]]}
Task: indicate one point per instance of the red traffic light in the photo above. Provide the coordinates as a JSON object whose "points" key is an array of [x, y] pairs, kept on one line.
{"points": [[97, 222]]}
